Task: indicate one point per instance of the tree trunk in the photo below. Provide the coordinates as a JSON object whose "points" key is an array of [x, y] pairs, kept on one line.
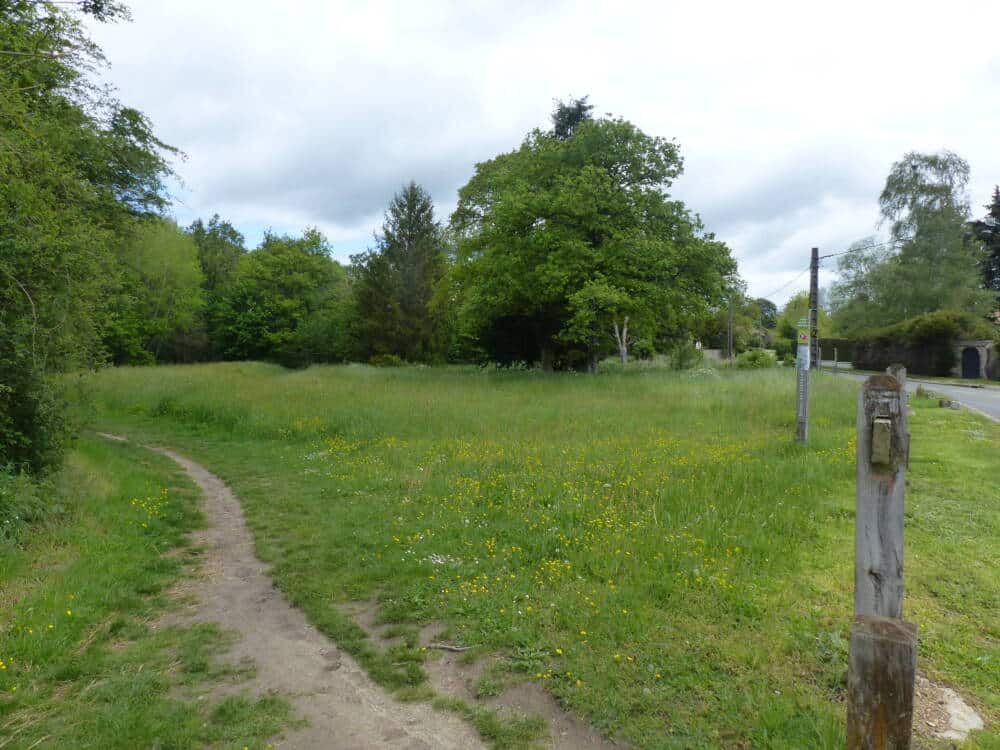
{"points": [[621, 339], [548, 358]]}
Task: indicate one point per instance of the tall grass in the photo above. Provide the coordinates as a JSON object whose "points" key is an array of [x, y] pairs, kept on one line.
{"points": [[652, 546]]}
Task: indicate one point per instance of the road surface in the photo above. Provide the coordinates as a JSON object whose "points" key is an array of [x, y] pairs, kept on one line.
{"points": [[985, 400]]}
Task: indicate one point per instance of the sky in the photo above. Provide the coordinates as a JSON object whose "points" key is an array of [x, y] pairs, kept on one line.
{"points": [[788, 115]]}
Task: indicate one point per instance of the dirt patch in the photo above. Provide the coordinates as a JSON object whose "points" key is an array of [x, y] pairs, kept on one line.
{"points": [[938, 711], [344, 709]]}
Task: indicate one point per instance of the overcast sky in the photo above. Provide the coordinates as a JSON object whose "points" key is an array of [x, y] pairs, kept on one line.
{"points": [[788, 114]]}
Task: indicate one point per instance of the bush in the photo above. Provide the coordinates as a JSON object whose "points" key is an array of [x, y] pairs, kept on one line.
{"points": [[685, 356], [33, 426], [782, 347], [386, 360], [756, 358], [643, 349], [22, 502]]}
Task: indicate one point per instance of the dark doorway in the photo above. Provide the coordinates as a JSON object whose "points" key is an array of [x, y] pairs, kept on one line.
{"points": [[970, 362]]}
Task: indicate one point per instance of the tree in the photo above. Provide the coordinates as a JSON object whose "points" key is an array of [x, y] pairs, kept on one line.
{"points": [[794, 310], [768, 313], [561, 239], [157, 311], [277, 290], [220, 247], [77, 170], [568, 115], [987, 231], [394, 283], [928, 265]]}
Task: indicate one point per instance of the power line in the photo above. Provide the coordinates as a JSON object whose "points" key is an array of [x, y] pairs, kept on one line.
{"points": [[785, 285], [876, 246]]}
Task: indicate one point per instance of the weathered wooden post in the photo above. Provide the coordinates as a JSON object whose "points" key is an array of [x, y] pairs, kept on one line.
{"points": [[897, 371], [835, 361], [883, 648]]}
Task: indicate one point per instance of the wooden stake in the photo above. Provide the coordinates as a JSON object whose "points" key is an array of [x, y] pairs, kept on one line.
{"points": [[880, 678], [881, 480]]}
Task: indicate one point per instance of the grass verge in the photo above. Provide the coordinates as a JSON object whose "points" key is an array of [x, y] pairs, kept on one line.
{"points": [[83, 659]]}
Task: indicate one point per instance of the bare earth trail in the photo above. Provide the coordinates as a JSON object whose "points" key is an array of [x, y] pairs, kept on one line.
{"points": [[345, 710]]}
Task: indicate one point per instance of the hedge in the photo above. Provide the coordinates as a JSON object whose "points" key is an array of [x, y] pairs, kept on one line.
{"points": [[925, 344]]}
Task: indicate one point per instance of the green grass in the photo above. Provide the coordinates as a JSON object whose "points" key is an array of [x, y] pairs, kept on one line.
{"points": [[82, 664], [651, 546]]}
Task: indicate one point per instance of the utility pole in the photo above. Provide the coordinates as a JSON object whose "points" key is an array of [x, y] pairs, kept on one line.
{"points": [[814, 362], [729, 341]]}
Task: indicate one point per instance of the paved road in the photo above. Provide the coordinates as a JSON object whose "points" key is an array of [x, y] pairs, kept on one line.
{"points": [[985, 400]]}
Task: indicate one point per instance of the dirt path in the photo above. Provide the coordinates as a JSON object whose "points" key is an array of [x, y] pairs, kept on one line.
{"points": [[344, 708]]}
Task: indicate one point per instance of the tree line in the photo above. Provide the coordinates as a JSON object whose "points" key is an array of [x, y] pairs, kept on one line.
{"points": [[559, 252]]}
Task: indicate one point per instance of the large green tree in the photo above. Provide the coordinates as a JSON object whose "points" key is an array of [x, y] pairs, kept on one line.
{"points": [[77, 169], [157, 310], [987, 231], [929, 264], [275, 295], [561, 240], [394, 283]]}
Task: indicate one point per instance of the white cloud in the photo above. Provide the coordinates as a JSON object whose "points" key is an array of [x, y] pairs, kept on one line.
{"points": [[788, 114]]}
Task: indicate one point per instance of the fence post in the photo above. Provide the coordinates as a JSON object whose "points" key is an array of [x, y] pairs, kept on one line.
{"points": [[882, 663]]}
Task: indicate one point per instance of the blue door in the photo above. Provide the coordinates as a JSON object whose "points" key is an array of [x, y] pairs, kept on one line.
{"points": [[970, 362]]}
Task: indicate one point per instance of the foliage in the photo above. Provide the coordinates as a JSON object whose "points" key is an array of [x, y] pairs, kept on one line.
{"points": [[930, 264], [684, 355], [386, 360], [756, 358], [796, 309], [23, 501], [76, 168], [748, 331], [768, 313], [559, 522], [568, 115], [276, 289], [157, 311], [561, 238], [394, 283], [925, 344], [987, 231]]}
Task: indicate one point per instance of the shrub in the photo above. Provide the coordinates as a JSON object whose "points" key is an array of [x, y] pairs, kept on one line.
{"points": [[22, 502], [685, 356], [643, 349], [386, 360], [756, 358]]}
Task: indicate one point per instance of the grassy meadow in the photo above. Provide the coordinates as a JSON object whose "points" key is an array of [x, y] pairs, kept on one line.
{"points": [[653, 547], [84, 662]]}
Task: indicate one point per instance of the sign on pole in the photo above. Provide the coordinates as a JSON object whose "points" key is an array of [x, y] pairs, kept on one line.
{"points": [[802, 382]]}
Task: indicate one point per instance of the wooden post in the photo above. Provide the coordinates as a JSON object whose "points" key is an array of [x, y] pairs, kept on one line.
{"points": [[834, 360], [880, 678], [802, 383], [883, 649], [897, 371], [881, 481]]}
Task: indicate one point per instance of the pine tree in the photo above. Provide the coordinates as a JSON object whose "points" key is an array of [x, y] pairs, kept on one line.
{"points": [[394, 282]]}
